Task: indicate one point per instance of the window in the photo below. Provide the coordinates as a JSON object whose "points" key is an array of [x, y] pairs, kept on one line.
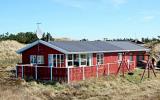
{"points": [[78, 60], [40, 59], [83, 58], [70, 60], [56, 60], [60, 60], [33, 59], [37, 59], [100, 58], [131, 57], [89, 59], [50, 60], [120, 55]]}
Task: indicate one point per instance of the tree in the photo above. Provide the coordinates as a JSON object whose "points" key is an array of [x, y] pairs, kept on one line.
{"points": [[47, 37]]}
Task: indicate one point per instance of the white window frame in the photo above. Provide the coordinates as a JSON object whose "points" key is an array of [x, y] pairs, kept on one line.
{"points": [[70, 60], [90, 55], [37, 58], [80, 60], [100, 59], [40, 59], [51, 62], [31, 59], [120, 56], [84, 59]]}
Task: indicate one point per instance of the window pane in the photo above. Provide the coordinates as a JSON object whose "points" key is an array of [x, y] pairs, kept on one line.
{"points": [[54, 60], [70, 57], [58, 59], [84, 62], [40, 59], [62, 58], [83, 59], [50, 60], [120, 56], [70, 63], [76, 60], [100, 58], [83, 56], [88, 60], [33, 59]]}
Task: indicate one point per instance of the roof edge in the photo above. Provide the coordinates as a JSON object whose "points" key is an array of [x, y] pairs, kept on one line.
{"points": [[140, 50], [42, 42]]}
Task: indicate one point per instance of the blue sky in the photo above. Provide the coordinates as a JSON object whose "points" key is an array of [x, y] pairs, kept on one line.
{"points": [[77, 19]]}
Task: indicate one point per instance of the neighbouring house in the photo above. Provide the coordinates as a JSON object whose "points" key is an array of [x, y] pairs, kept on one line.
{"points": [[76, 60]]}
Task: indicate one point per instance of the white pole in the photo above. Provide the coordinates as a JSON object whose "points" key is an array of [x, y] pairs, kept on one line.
{"points": [[66, 60], [83, 74], [51, 72], [108, 69], [68, 76], [128, 63], [22, 72], [79, 56], [97, 70], [36, 71]]}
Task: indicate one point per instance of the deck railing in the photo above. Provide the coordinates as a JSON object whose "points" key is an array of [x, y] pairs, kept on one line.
{"points": [[67, 74]]}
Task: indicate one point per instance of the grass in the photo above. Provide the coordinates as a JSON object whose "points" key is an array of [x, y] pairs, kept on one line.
{"points": [[104, 88], [8, 56]]}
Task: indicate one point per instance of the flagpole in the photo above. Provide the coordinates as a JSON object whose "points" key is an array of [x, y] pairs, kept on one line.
{"points": [[39, 35]]}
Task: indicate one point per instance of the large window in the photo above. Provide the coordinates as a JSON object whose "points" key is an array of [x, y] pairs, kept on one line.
{"points": [[100, 58], [76, 60], [83, 59], [56, 60], [120, 55], [70, 60], [39, 59]]}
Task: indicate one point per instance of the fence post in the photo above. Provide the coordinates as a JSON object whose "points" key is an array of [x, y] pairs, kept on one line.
{"points": [[36, 71], [22, 72], [51, 73], [68, 75], [97, 70], [83, 74], [108, 69], [128, 63]]}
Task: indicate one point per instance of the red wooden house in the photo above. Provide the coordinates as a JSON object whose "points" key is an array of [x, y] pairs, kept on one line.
{"points": [[76, 60]]}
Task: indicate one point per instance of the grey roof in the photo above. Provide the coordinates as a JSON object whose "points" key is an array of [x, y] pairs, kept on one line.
{"points": [[69, 47], [98, 46]]}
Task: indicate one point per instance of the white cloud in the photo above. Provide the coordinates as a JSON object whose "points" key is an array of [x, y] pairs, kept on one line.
{"points": [[148, 18]]}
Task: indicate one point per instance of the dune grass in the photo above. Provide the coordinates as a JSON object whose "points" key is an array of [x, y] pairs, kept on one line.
{"points": [[104, 88], [8, 56]]}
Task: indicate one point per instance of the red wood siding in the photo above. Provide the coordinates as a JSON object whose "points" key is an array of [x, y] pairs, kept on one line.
{"points": [[43, 50]]}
